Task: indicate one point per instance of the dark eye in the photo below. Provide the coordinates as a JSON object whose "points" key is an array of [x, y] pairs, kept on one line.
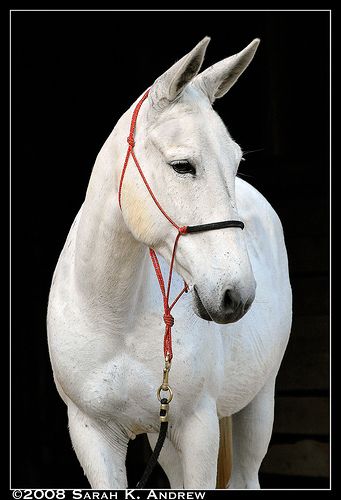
{"points": [[182, 167]]}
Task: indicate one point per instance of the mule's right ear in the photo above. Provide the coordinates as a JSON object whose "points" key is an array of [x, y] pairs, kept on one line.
{"points": [[219, 78], [171, 83]]}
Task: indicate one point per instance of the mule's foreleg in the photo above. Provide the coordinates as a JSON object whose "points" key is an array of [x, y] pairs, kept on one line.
{"points": [[198, 444], [251, 433], [101, 450]]}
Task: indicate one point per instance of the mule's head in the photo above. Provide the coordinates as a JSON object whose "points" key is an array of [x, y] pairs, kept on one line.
{"points": [[191, 161]]}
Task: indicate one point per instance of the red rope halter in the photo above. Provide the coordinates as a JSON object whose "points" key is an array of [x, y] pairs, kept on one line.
{"points": [[167, 317]]}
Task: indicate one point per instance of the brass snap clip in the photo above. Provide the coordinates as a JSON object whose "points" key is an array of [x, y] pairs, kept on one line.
{"points": [[164, 387]]}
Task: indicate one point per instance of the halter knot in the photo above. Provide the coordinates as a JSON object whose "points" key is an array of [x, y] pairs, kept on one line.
{"points": [[183, 229], [168, 319], [130, 141]]}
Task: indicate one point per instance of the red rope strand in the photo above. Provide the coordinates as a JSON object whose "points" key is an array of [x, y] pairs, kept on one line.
{"points": [[151, 192], [167, 317]]}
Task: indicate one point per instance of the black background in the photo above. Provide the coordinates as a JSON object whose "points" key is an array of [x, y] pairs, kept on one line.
{"points": [[73, 75]]}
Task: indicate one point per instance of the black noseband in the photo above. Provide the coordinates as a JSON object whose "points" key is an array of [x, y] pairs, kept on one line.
{"points": [[215, 225]]}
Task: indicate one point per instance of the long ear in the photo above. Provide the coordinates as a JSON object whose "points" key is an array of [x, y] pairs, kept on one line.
{"points": [[219, 78], [171, 83]]}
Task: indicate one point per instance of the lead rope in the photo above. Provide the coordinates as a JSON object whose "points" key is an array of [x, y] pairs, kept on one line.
{"points": [[167, 316]]}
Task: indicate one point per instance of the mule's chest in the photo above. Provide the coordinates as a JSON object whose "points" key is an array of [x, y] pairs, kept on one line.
{"points": [[125, 386]]}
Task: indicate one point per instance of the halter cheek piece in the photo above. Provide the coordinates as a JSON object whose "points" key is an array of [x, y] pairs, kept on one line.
{"points": [[182, 230]]}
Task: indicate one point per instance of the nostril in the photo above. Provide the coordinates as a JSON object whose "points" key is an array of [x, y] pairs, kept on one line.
{"points": [[229, 302]]}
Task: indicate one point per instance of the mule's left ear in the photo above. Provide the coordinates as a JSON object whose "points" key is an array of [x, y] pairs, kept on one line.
{"points": [[171, 83], [219, 78]]}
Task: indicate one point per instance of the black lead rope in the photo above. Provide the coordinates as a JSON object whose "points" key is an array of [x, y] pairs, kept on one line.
{"points": [[164, 402], [155, 455]]}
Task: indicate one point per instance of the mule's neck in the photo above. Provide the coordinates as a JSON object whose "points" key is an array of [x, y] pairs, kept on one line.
{"points": [[110, 264]]}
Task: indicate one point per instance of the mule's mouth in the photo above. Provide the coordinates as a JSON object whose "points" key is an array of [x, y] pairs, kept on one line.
{"points": [[199, 307]]}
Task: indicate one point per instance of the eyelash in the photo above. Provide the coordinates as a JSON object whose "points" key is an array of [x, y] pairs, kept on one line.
{"points": [[187, 167]]}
